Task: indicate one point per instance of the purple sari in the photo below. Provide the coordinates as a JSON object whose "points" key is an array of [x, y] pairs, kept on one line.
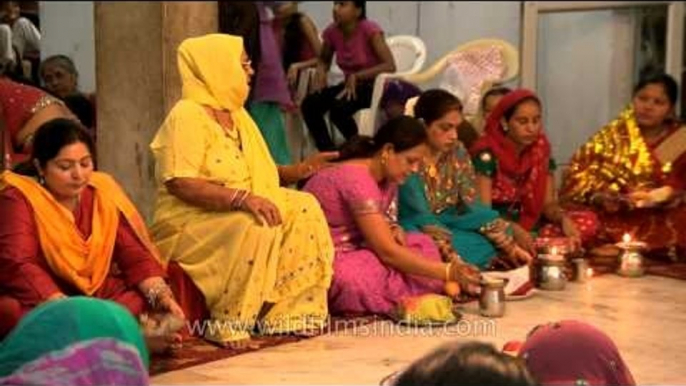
{"points": [[102, 362], [361, 282]]}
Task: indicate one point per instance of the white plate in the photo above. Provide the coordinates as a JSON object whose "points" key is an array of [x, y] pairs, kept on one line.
{"points": [[512, 298]]}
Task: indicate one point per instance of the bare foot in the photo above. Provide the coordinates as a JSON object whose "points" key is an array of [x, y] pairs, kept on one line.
{"points": [[161, 344], [161, 332]]}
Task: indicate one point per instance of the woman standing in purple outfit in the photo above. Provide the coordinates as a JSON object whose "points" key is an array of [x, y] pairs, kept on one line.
{"points": [[269, 95]]}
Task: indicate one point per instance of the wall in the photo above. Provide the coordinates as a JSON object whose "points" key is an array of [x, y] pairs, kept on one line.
{"points": [[394, 17], [585, 74], [446, 24], [137, 42], [585, 59], [443, 25], [67, 28], [574, 65]]}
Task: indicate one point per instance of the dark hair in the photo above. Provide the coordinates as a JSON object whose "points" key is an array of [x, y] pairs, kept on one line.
{"points": [[62, 61], [510, 112], [50, 138], [361, 5], [82, 107], [10, 3], [667, 82], [242, 18], [466, 364], [402, 132], [495, 91], [435, 103], [293, 39]]}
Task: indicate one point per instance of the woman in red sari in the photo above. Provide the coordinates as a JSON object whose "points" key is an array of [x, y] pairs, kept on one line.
{"points": [[515, 173], [23, 109], [633, 171], [73, 232]]}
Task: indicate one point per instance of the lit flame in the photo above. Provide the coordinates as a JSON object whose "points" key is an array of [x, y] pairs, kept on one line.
{"points": [[626, 238], [554, 251], [589, 272]]}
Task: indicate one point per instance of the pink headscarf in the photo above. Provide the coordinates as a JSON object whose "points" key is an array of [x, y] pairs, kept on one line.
{"points": [[531, 165], [574, 353]]}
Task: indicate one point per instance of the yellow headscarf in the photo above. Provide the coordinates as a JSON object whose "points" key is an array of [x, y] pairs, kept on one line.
{"points": [[83, 263], [212, 75]]}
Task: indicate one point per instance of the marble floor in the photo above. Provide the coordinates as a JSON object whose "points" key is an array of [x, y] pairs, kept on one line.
{"points": [[646, 317]]}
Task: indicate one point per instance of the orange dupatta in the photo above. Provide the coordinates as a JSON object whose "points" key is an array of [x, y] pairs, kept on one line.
{"points": [[82, 263]]}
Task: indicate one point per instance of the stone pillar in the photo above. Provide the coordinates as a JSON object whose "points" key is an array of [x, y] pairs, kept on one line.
{"points": [[138, 82]]}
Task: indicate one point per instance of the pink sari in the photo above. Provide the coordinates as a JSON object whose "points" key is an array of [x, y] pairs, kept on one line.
{"points": [[361, 282]]}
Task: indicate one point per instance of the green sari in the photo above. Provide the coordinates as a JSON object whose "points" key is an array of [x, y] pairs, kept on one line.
{"points": [[445, 196], [55, 325], [269, 119]]}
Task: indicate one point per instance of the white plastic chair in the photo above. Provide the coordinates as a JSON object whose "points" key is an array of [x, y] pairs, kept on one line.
{"points": [[409, 53], [510, 56]]}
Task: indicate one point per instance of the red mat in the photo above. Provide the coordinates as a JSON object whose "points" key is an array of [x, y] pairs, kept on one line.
{"points": [[197, 351]]}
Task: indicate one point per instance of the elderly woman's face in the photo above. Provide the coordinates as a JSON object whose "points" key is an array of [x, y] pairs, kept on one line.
{"points": [[58, 81]]}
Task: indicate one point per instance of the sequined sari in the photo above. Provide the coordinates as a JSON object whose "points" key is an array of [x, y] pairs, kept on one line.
{"points": [[19, 103], [617, 159]]}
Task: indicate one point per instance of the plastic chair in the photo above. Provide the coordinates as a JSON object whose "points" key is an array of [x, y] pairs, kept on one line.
{"points": [[409, 53], [510, 56]]}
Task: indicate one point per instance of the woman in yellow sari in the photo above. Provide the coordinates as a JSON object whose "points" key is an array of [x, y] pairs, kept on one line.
{"points": [[260, 254], [633, 172]]}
